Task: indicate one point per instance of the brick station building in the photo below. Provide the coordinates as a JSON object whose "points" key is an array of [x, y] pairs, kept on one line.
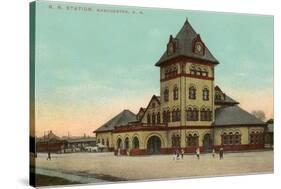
{"points": [[190, 112]]}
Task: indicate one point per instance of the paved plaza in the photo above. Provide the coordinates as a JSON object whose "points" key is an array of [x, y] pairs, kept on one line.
{"points": [[157, 166]]}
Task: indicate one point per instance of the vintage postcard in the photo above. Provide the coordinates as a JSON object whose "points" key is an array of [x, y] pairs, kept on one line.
{"points": [[126, 94]]}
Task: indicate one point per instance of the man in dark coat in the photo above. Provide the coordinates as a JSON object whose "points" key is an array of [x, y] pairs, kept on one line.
{"points": [[221, 153]]}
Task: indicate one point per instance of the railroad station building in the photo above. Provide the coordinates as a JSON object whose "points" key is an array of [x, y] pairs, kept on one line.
{"points": [[190, 112]]}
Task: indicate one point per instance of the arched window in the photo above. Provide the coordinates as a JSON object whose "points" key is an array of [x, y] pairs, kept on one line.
{"points": [[166, 95], [256, 138], [205, 94], [189, 114], [119, 143], [231, 138], [192, 92], [98, 141], [158, 118], [168, 116], [136, 143], [176, 93], [171, 71], [127, 143], [102, 141], [205, 72], [237, 138], [208, 115], [176, 143], [192, 70], [195, 114], [192, 140], [148, 119], [225, 139], [174, 115], [153, 118], [203, 114], [178, 115], [164, 117]]}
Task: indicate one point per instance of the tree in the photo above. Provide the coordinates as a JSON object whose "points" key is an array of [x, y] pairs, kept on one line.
{"points": [[259, 114]]}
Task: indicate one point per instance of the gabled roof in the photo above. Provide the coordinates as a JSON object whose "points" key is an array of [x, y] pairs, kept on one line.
{"points": [[157, 98], [141, 110], [227, 100], [123, 118], [184, 47], [49, 137], [234, 115]]}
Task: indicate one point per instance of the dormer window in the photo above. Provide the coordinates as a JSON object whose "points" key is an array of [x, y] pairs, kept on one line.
{"points": [[171, 46], [170, 49], [217, 96], [198, 46]]}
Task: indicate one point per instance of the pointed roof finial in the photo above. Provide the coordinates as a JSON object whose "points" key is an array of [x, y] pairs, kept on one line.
{"points": [[186, 21]]}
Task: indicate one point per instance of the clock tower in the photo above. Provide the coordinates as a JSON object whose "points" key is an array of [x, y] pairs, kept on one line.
{"points": [[187, 80]]}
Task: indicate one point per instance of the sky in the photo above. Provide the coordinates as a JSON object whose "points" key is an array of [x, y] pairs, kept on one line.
{"points": [[90, 65]]}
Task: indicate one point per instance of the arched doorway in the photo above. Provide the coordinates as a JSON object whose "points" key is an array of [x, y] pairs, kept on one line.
{"points": [[135, 143], [127, 142], [207, 142], [153, 145], [119, 143]]}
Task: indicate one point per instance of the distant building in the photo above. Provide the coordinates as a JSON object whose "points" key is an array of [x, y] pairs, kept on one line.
{"points": [[55, 144], [269, 134], [81, 142], [50, 142], [190, 112]]}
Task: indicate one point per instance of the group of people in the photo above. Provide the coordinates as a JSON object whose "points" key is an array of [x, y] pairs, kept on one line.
{"points": [[178, 154]]}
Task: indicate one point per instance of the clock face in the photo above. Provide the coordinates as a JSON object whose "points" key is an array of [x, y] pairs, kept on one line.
{"points": [[198, 47]]}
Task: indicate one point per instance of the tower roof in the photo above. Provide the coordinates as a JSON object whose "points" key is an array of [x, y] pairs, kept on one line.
{"points": [[184, 46]]}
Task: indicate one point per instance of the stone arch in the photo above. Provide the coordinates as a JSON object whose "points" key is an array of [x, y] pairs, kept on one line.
{"points": [[135, 142], [192, 133], [138, 137], [127, 143], [119, 142], [155, 134]]}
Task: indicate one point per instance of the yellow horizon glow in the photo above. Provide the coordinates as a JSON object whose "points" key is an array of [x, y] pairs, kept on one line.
{"points": [[79, 120]]}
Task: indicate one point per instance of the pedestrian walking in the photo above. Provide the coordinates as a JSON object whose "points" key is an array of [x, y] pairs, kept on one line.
{"points": [[49, 155], [213, 152], [178, 154], [221, 153], [198, 153], [182, 153]]}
